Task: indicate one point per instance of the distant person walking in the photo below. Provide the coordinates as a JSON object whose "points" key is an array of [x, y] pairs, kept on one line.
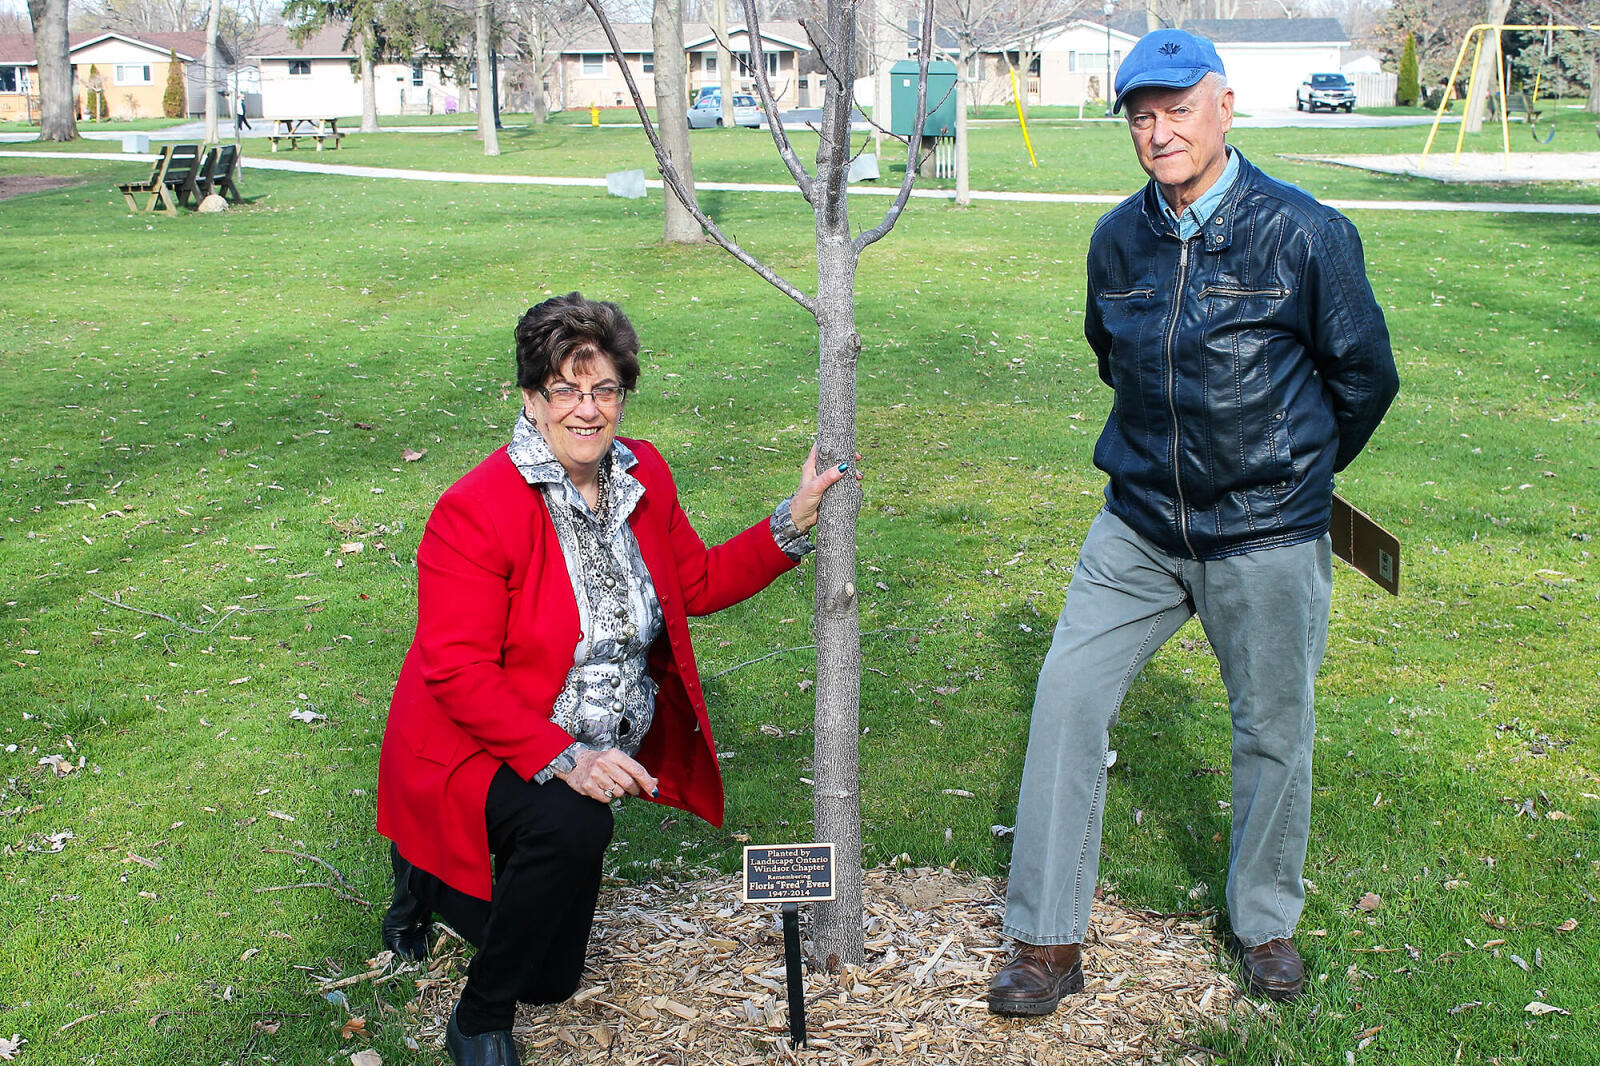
{"points": [[241, 120]]}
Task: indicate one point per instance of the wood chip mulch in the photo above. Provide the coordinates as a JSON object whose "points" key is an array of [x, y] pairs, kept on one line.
{"points": [[22, 184], [689, 975]]}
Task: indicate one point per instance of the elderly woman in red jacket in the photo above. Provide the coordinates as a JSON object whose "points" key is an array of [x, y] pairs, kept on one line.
{"points": [[551, 672]]}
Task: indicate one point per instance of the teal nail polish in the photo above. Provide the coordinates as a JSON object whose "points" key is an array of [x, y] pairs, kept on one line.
{"points": [[843, 467]]}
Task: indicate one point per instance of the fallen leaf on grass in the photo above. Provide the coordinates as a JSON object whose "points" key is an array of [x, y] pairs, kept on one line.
{"points": [[1494, 921], [10, 1048], [963, 793], [1568, 926], [1538, 1008], [353, 1027], [411, 455], [1558, 816], [366, 1057], [308, 716], [1460, 1007], [281, 816], [1369, 902], [249, 953], [352, 547], [268, 1027]]}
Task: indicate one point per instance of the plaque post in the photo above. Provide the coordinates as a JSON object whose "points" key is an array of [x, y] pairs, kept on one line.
{"points": [[790, 874], [796, 979]]}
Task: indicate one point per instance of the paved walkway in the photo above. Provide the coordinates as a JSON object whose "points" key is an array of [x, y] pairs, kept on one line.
{"points": [[1443, 165], [277, 162]]}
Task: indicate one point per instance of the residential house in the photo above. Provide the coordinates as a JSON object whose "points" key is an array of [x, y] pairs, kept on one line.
{"points": [[1265, 58], [589, 75], [130, 69], [321, 78]]}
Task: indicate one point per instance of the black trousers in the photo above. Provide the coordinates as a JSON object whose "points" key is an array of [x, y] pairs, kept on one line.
{"points": [[548, 843]]}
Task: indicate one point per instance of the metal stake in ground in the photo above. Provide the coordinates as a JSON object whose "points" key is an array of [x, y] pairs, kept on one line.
{"points": [[790, 874]]}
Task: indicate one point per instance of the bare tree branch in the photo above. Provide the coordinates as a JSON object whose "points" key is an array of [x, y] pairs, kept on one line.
{"points": [[924, 47], [780, 137], [669, 175]]}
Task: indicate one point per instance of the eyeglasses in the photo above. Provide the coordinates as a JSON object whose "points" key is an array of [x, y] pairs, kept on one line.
{"points": [[565, 397]]}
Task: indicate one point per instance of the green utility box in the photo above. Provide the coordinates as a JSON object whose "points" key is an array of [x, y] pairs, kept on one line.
{"points": [[941, 120]]}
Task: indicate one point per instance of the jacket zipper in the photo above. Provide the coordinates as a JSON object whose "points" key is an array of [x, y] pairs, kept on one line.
{"points": [[1172, 400]]}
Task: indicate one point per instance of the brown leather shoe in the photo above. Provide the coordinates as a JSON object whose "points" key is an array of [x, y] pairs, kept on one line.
{"points": [[1036, 978], [1273, 969]]}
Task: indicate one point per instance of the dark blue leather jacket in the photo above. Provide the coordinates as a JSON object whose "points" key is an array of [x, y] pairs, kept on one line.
{"points": [[1249, 364]]}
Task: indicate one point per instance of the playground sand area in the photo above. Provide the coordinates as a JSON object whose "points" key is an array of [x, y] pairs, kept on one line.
{"points": [[1480, 167]]}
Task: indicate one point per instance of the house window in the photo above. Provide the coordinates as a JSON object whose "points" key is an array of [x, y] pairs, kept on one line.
{"points": [[647, 61], [974, 67], [594, 64], [134, 74], [416, 74], [1072, 62], [708, 62], [8, 80], [297, 68], [1092, 62]]}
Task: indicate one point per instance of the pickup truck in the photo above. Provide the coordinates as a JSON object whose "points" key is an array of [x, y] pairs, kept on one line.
{"points": [[1331, 91]]}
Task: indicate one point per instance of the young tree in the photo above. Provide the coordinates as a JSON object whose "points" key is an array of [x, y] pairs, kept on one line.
{"points": [[56, 120], [174, 100], [836, 799], [1408, 89], [542, 27]]}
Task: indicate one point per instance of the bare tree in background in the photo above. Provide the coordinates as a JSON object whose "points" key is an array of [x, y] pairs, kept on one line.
{"points": [[483, 32], [542, 29], [836, 926], [213, 70], [56, 119], [672, 112], [987, 26]]}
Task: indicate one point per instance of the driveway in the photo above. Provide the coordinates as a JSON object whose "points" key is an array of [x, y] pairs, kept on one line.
{"points": [[1272, 118]]}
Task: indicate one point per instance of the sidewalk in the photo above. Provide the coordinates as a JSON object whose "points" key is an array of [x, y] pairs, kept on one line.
{"points": [[273, 162]]}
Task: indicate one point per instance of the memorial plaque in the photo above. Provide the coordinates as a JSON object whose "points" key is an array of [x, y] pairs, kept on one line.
{"points": [[788, 873], [1365, 545]]}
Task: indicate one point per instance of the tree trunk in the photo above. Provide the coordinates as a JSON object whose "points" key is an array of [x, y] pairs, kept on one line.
{"points": [[486, 130], [672, 115], [369, 82], [719, 22], [213, 70], [836, 800], [1485, 80], [963, 95], [56, 119]]}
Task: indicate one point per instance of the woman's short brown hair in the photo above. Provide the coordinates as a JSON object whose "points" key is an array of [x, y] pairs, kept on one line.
{"points": [[572, 328]]}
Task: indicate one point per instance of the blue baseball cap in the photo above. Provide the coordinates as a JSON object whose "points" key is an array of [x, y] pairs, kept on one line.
{"points": [[1170, 59]]}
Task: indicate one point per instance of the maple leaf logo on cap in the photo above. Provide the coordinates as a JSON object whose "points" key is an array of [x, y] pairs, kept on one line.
{"points": [[1171, 48]]}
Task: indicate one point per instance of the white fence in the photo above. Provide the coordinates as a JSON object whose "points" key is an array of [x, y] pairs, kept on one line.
{"points": [[1375, 90]]}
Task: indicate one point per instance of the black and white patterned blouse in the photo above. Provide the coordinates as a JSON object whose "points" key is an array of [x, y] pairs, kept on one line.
{"points": [[608, 700]]}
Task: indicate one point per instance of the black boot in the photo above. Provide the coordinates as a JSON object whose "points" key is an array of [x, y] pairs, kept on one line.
{"points": [[405, 924], [495, 1048]]}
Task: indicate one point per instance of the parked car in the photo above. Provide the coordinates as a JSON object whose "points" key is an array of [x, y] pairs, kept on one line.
{"points": [[706, 110], [1331, 91]]}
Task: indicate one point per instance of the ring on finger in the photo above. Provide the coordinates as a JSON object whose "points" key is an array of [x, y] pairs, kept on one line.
{"points": [[608, 793]]}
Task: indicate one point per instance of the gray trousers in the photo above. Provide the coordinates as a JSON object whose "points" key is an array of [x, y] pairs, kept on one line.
{"points": [[1266, 616]]}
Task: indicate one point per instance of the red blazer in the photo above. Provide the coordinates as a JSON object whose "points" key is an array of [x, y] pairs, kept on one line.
{"points": [[496, 629]]}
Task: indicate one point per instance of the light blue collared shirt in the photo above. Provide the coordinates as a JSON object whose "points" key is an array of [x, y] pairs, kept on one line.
{"points": [[1188, 224]]}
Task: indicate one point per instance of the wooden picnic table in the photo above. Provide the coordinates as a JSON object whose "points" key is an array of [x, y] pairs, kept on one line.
{"points": [[294, 130]]}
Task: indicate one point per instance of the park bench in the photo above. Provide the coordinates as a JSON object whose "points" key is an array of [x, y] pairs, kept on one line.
{"points": [[295, 130], [1516, 104], [217, 172], [171, 181]]}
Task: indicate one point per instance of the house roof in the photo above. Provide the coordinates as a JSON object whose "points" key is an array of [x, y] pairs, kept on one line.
{"points": [[1269, 31], [275, 42], [637, 36], [190, 47]]}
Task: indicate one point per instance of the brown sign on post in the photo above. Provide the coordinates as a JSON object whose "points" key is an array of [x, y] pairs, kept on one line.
{"points": [[788, 873], [1365, 545]]}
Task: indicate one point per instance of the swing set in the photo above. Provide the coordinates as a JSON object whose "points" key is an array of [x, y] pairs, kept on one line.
{"points": [[1481, 33]]}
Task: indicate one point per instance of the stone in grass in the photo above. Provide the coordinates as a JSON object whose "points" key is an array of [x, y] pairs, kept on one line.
{"points": [[212, 204], [626, 183]]}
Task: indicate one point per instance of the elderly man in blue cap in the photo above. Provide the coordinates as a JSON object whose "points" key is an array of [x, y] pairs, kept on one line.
{"points": [[1249, 362]]}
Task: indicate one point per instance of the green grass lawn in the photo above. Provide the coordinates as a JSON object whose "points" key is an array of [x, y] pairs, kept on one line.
{"points": [[202, 412]]}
